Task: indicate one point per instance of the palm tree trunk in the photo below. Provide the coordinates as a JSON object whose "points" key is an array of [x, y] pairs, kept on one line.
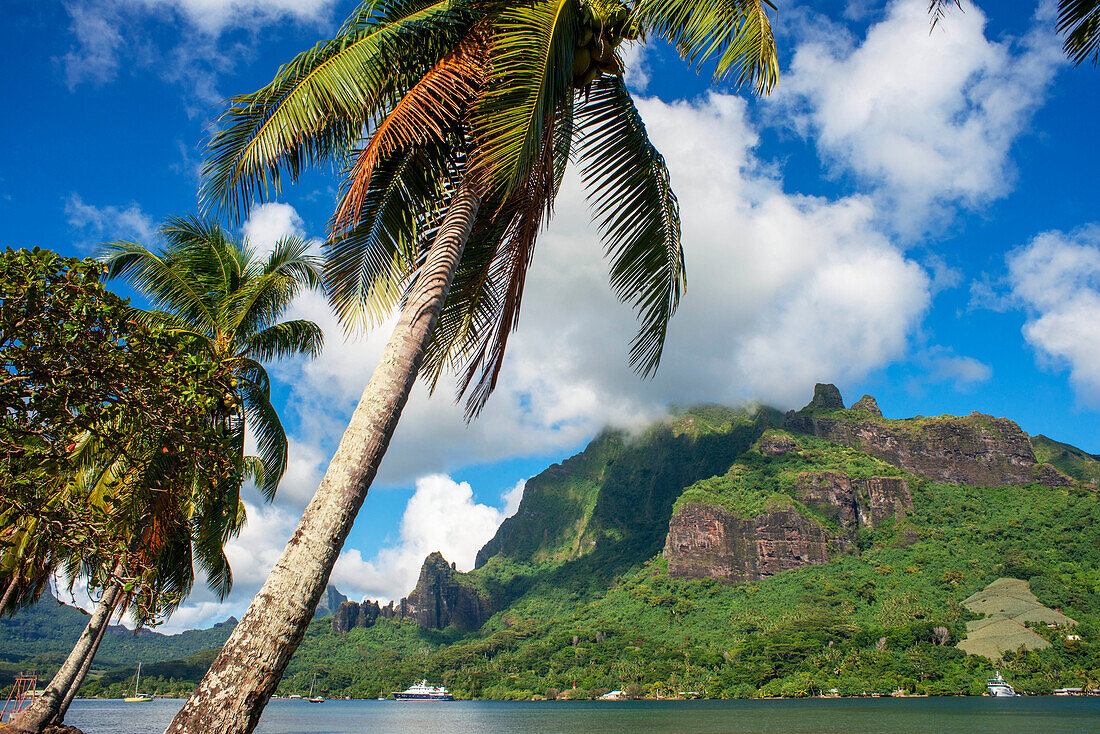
{"points": [[247, 671], [9, 594], [83, 672], [40, 713]]}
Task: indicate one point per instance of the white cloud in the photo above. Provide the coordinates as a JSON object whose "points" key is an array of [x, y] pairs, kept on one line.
{"points": [[929, 118], [94, 58], [440, 516], [512, 498], [941, 364], [97, 224], [214, 16], [1057, 279], [637, 66], [270, 222]]}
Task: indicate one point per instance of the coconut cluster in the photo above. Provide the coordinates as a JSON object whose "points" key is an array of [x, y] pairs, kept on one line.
{"points": [[600, 34]]}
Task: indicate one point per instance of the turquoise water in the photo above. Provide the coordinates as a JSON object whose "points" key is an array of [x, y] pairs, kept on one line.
{"points": [[856, 716]]}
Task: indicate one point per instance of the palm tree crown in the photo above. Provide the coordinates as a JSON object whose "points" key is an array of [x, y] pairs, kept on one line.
{"points": [[219, 291], [418, 98]]}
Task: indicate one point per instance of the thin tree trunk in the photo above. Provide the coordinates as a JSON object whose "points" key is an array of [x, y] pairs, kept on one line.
{"points": [[84, 668], [234, 691], [40, 713], [9, 594]]}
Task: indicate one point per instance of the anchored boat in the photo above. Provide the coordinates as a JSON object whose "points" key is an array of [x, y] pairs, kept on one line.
{"points": [[998, 687], [312, 698], [423, 692], [138, 697]]}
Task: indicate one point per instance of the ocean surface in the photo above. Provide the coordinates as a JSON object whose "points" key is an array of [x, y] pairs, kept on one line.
{"points": [[1033, 715]]}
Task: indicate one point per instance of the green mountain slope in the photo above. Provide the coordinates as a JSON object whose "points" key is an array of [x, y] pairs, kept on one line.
{"points": [[587, 598], [40, 637], [1068, 459]]}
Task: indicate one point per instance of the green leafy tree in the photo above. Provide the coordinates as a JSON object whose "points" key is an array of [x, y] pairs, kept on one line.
{"points": [[456, 120], [115, 463]]}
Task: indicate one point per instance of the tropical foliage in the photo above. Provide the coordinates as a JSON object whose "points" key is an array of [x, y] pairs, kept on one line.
{"points": [[102, 415], [228, 301]]}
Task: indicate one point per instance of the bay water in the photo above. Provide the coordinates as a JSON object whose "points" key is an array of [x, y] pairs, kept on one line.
{"points": [[1033, 715]]}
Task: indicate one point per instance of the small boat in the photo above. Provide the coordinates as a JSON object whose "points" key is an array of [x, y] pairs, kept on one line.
{"points": [[423, 692], [138, 697], [998, 687], [312, 698]]}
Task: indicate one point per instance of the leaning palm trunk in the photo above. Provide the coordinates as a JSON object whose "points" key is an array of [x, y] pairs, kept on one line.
{"points": [[247, 671], [82, 673], [46, 707], [9, 594]]}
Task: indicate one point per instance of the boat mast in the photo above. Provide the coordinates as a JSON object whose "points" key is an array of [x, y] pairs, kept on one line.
{"points": [[137, 679]]}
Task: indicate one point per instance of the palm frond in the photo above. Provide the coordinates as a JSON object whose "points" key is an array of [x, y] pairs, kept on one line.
{"points": [[368, 267], [532, 55], [286, 339], [736, 33], [938, 10], [271, 440], [320, 102], [636, 211], [161, 281], [268, 290], [1080, 21], [423, 116]]}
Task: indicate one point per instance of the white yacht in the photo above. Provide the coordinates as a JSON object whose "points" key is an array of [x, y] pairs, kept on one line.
{"points": [[998, 687], [423, 692]]}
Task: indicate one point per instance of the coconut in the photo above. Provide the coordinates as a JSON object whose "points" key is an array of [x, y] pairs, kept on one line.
{"points": [[582, 58]]}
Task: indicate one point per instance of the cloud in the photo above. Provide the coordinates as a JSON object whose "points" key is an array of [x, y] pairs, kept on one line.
{"points": [[94, 57], [440, 516], [214, 16], [512, 498], [1056, 278], [927, 118], [97, 224], [109, 35], [270, 222], [941, 364]]}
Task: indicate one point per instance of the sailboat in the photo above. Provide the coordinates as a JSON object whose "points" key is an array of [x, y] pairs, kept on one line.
{"points": [[138, 697], [312, 698]]}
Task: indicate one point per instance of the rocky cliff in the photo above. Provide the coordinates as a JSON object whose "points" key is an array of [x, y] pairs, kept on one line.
{"points": [[854, 503], [330, 602], [977, 450], [443, 597], [707, 541], [767, 516]]}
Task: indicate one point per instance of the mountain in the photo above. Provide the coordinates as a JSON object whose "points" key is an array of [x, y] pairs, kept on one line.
{"points": [[40, 637], [748, 552], [742, 552]]}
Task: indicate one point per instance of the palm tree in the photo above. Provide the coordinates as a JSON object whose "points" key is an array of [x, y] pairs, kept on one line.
{"points": [[163, 512], [217, 291], [175, 511], [1079, 20], [455, 121]]}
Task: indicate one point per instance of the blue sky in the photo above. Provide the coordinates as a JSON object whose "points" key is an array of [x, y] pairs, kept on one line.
{"points": [[909, 215]]}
